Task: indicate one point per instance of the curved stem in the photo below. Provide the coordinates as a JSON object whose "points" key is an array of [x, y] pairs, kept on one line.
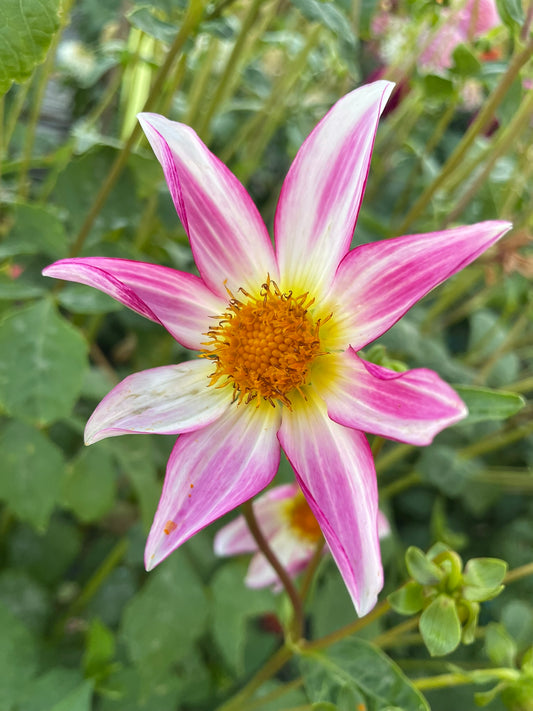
{"points": [[296, 628], [311, 569], [518, 573]]}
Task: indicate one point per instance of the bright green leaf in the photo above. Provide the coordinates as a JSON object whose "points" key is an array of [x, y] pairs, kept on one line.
{"points": [[42, 365], [89, 487], [99, 649], [485, 572], [409, 599], [26, 31], [511, 12], [465, 63], [31, 474], [440, 626], [486, 404], [421, 568], [364, 669]]}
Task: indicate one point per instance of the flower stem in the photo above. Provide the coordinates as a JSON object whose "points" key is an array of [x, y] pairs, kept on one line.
{"points": [[477, 126], [297, 624], [348, 630], [518, 573], [311, 569], [478, 676], [385, 639], [190, 22], [396, 454], [404, 482], [273, 665], [496, 441]]}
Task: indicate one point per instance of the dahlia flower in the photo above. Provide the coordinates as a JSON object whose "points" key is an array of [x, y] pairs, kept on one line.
{"points": [[288, 524], [277, 333]]}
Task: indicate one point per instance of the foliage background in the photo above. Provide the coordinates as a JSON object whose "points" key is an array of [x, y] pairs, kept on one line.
{"points": [[83, 626]]}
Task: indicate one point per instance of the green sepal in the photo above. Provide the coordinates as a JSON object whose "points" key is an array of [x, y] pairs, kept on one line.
{"points": [[440, 626], [470, 625], [409, 599], [451, 564], [483, 578], [421, 568]]}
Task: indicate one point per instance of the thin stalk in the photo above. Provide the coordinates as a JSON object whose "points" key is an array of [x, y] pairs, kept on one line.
{"points": [[311, 570], [232, 67], [401, 484], [496, 441], [394, 455], [521, 386], [505, 346], [190, 22], [272, 666], [198, 90], [16, 109], [174, 85], [273, 695], [347, 630], [518, 573], [478, 676], [389, 637], [519, 182], [297, 624], [451, 292], [503, 143], [2, 107], [477, 126]]}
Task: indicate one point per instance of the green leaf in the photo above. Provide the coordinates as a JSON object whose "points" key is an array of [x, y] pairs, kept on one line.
{"points": [[26, 598], [18, 658], [99, 650], [500, 646], [485, 572], [42, 365], [164, 619], [440, 626], [233, 605], [511, 12], [328, 15], [486, 404], [145, 20], [44, 692], [441, 466], [81, 299], [89, 487], [363, 669], [79, 699], [465, 63], [31, 474], [26, 31], [409, 599], [439, 88], [35, 230], [421, 568]]}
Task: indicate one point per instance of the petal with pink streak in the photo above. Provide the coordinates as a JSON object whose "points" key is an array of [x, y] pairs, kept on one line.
{"points": [[293, 553], [410, 407], [229, 240], [334, 468], [377, 283], [322, 193], [235, 538], [212, 471], [181, 302], [168, 400]]}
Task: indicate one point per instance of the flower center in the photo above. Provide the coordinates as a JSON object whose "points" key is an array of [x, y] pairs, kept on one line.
{"points": [[264, 346], [302, 520]]}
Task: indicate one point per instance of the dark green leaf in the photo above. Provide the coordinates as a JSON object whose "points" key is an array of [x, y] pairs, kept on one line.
{"points": [[26, 31], [35, 230], [365, 670], [42, 365], [328, 15], [486, 404], [18, 658], [145, 20], [89, 487], [31, 474]]}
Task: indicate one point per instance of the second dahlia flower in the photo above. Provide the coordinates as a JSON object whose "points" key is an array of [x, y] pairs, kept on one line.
{"points": [[277, 334]]}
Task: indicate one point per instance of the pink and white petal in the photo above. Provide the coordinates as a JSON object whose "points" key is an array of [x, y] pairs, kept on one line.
{"points": [[170, 399], [229, 240], [377, 283], [334, 467], [410, 407], [212, 471], [383, 525], [181, 302], [292, 552], [322, 193], [235, 538]]}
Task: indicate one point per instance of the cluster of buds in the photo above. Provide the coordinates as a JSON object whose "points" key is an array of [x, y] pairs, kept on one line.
{"points": [[447, 595]]}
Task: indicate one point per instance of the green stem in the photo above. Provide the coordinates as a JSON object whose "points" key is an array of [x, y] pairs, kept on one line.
{"points": [[16, 109], [477, 126], [503, 143], [198, 90], [231, 68], [348, 630], [394, 455], [521, 386], [273, 695], [389, 637], [454, 290], [518, 573], [190, 22], [478, 676], [496, 441], [273, 665], [297, 624], [401, 484], [311, 570]]}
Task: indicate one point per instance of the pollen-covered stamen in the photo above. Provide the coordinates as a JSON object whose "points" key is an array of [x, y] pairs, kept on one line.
{"points": [[301, 519], [265, 345]]}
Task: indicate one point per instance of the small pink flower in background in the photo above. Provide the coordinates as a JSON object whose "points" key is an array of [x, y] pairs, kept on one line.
{"points": [[288, 524], [278, 333]]}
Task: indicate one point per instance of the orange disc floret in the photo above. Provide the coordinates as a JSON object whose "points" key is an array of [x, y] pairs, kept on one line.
{"points": [[264, 345], [301, 519]]}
